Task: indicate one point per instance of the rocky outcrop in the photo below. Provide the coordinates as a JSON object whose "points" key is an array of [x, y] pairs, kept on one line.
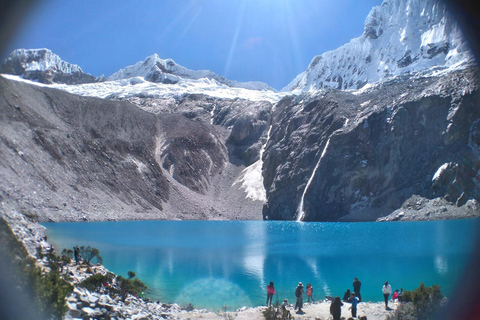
{"points": [[44, 66], [361, 155]]}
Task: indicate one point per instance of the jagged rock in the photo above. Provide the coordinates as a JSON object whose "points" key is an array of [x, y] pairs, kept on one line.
{"points": [[93, 313]]}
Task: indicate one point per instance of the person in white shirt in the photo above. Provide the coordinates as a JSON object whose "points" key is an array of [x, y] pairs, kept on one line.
{"points": [[387, 290]]}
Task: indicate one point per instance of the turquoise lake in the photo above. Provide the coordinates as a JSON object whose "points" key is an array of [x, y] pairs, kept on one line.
{"points": [[216, 263]]}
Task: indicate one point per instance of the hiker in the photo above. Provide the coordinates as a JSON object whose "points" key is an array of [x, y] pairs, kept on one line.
{"points": [[299, 294], [310, 292], [354, 301], [356, 288], [346, 296], [395, 295], [285, 312], [270, 293], [387, 290], [400, 294], [76, 253], [336, 308]]}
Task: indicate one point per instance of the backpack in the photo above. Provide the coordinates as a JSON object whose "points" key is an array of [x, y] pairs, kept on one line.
{"points": [[298, 292]]}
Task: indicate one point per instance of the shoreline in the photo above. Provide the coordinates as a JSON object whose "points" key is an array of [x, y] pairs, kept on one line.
{"points": [[82, 302]]}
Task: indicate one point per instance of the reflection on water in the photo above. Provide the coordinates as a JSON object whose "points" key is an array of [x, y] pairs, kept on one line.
{"points": [[217, 263], [215, 293], [441, 265]]}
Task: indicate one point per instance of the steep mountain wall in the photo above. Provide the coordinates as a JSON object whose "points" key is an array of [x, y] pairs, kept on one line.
{"points": [[361, 155]]}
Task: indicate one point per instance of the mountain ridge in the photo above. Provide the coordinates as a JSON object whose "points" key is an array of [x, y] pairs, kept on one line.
{"points": [[400, 36], [44, 66]]}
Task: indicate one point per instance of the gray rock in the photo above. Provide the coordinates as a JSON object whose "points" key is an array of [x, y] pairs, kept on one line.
{"points": [[394, 145]]}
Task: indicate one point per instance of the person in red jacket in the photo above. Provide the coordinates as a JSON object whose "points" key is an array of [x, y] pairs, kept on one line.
{"points": [[310, 292], [270, 293]]}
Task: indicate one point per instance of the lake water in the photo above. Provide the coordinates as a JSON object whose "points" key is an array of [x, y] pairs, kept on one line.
{"points": [[215, 263]]}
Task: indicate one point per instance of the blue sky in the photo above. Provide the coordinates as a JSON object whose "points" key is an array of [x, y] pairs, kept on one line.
{"points": [[245, 40]]}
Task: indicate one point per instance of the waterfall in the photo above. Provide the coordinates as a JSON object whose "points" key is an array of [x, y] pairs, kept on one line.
{"points": [[300, 211]]}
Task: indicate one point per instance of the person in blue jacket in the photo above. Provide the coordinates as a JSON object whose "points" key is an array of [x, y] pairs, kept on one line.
{"points": [[354, 301]]}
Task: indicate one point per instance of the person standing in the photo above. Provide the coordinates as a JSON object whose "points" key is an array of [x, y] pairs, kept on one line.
{"points": [[299, 294], [270, 293], [336, 308], [356, 288], [354, 301], [387, 290], [310, 292], [76, 253], [346, 296]]}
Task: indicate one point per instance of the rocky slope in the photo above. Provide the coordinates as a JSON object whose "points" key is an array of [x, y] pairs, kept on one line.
{"points": [[400, 36], [70, 158]]}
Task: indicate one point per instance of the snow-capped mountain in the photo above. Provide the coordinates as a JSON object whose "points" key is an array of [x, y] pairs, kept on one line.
{"points": [[167, 71], [400, 36], [44, 66]]}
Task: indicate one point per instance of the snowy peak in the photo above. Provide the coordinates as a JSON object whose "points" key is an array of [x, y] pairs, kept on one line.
{"points": [[44, 66], [167, 71], [400, 36], [39, 60]]}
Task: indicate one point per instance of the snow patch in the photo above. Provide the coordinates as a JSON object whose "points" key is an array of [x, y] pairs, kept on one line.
{"points": [[439, 171]]}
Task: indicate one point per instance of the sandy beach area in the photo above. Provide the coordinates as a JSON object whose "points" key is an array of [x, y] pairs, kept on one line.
{"points": [[317, 310]]}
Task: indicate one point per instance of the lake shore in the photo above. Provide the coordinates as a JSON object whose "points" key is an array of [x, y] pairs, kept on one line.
{"points": [[317, 310]]}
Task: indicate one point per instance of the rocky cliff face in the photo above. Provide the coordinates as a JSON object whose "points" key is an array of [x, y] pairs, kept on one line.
{"points": [[360, 155]]}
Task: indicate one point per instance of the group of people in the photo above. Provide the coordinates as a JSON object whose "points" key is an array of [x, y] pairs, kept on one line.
{"points": [[299, 291], [355, 297], [336, 307], [352, 297], [387, 290]]}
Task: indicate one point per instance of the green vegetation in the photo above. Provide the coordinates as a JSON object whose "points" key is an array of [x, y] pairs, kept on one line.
{"points": [[129, 286], [131, 274], [46, 291], [114, 286], [423, 303], [89, 253], [97, 281]]}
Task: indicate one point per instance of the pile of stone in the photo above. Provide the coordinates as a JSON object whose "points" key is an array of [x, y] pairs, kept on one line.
{"points": [[84, 304]]}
